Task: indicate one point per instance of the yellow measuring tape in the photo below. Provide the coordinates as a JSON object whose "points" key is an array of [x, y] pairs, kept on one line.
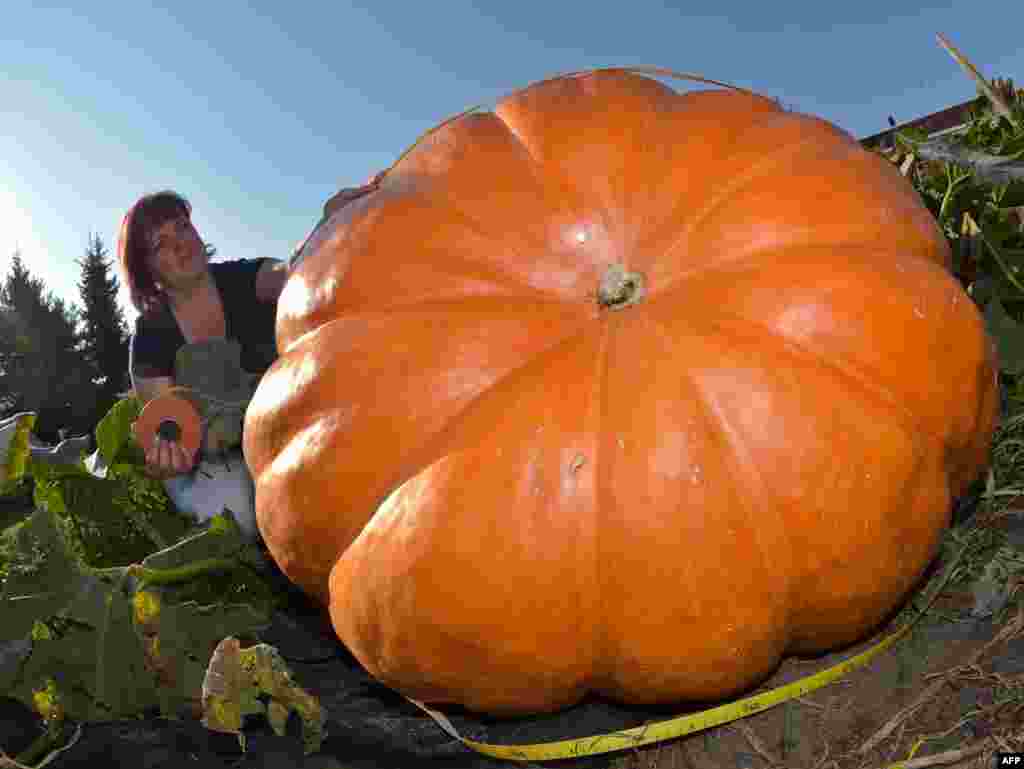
{"points": [[677, 727]]}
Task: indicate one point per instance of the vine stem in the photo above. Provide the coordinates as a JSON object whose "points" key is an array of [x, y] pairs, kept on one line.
{"points": [[949, 191], [181, 573]]}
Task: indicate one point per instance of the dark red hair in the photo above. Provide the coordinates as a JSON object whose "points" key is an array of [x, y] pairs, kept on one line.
{"points": [[133, 246]]}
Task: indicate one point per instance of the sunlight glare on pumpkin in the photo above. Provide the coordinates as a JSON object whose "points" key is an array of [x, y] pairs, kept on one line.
{"points": [[306, 444], [293, 379], [295, 296]]}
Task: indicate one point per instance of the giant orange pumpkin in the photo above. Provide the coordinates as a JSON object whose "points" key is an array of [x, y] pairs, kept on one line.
{"points": [[618, 390]]}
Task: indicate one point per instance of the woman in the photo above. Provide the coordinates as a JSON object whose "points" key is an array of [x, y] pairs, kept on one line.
{"points": [[183, 298]]}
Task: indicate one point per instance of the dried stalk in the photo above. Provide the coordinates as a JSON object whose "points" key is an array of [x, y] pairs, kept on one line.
{"points": [[6, 762], [1006, 633], [998, 102], [755, 742], [944, 759]]}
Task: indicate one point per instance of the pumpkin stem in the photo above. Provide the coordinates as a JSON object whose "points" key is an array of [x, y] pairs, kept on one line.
{"points": [[619, 288]]}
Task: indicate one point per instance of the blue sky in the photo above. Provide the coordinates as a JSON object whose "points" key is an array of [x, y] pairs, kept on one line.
{"points": [[259, 112]]}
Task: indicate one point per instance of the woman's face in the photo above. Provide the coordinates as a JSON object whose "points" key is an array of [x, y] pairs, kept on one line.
{"points": [[176, 254]]}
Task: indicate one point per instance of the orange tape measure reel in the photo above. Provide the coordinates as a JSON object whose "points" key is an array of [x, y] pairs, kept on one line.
{"points": [[173, 418]]}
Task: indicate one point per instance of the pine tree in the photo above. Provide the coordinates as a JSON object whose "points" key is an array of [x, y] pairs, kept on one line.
{"points": [[41, 367], [105, 331], [21, 299]]}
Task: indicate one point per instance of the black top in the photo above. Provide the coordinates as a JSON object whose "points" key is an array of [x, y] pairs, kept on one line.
{"points": [[158, 338]]}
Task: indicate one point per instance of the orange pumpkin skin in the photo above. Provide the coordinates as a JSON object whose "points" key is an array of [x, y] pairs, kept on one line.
{"points": [[510, 494]]}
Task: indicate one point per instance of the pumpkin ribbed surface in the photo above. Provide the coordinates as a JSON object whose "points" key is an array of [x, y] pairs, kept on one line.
{"points": [[618, 390]]}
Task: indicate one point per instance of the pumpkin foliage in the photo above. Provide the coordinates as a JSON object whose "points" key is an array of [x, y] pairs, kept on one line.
{"points": [[618, 390]]}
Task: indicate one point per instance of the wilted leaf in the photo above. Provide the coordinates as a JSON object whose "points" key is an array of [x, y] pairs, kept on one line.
{"points": [[235, 680], [228, 694]]}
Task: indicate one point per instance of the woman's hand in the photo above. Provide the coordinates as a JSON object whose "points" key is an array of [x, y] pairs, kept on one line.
{"points": [[167, 458]]}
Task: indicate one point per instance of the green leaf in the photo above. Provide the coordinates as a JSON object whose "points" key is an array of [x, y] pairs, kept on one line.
{"points": [[113, 519], [41, 571], [101, 645], [92, 654], [114, 431], [109, 608], [1008, 335]]}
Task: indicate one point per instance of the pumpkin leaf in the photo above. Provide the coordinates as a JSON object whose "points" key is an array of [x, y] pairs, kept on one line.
{"points": [[111, 521], [114, 430], [67, 631], [101, 642], [1008, 335], [114, 439], [103, 622]]}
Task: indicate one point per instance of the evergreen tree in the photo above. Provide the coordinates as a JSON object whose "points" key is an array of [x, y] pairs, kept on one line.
{"points": [[21, 299], [41, 367], [105, 331]]}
